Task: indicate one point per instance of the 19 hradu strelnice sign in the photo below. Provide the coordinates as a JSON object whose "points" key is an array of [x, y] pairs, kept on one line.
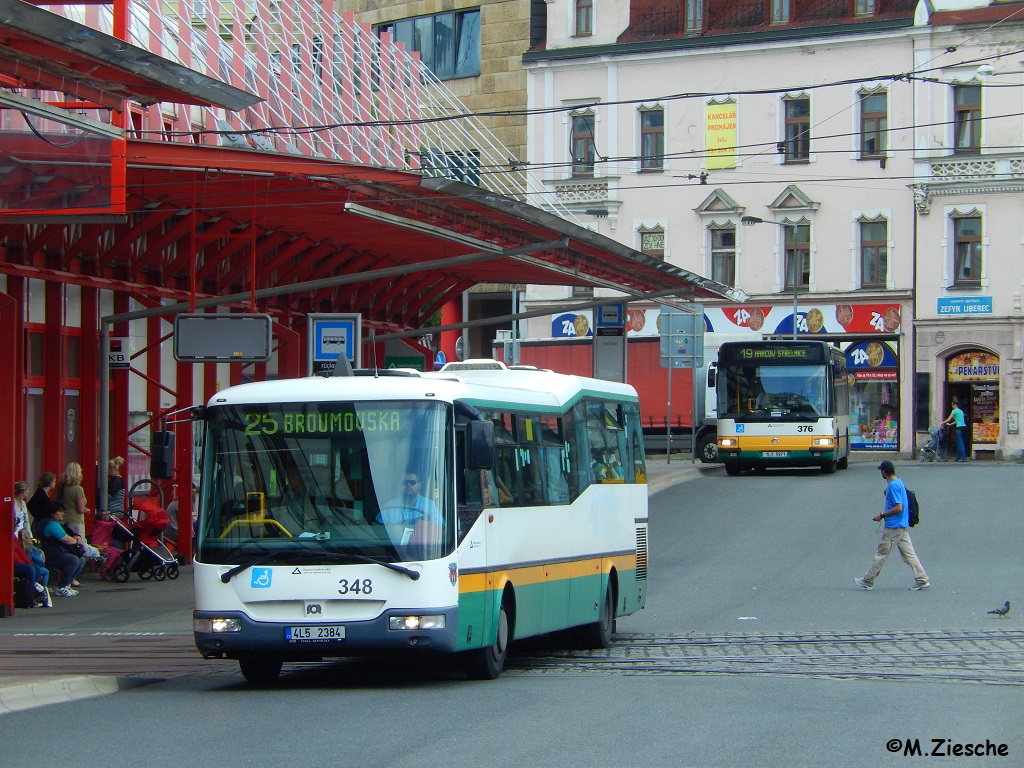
{"points": [[332, 335]]}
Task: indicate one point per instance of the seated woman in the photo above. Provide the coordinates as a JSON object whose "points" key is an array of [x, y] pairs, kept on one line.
{"points": [[55, 541]]}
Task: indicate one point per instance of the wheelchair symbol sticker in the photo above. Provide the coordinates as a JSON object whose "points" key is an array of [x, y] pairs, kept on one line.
{"points": [[741, 427], [260, 578]]}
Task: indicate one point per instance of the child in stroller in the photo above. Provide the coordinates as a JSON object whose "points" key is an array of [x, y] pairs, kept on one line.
{"points": [[936, 447]]}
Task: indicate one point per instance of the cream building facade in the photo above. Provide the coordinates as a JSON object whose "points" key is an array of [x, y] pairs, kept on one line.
{"points": [[880, 150]]}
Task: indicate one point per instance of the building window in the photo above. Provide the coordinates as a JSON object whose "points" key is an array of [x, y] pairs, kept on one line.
{"points": [[798, 251], [780, 11], [873, 124], [967, 118], [652, 139], [652, 242], [448, 43], [723, 255], [694, 16], [584, 17], [798, 130], [874, 254], [864, 8], [584, 150], [967, 251]]}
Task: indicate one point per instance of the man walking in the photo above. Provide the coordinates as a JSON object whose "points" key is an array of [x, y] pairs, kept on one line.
{"points": [[896, 513]]}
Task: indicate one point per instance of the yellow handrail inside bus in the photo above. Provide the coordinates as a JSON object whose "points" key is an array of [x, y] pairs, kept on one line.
{"points": [[255, 514]]}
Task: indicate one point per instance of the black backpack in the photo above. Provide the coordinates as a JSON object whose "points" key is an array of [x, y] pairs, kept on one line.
{"points": [[915, 508], [24, 593]]}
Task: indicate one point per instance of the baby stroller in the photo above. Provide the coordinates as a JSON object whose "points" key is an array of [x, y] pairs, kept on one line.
{"points": [[145, 553], [936, 447]]}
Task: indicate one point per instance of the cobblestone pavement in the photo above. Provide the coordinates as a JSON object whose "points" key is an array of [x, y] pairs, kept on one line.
{"points": [[987, 656], [984, 656]]}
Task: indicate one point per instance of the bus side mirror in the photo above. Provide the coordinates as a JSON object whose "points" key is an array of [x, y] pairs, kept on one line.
{"points": [[161, 462], [481, 445]]}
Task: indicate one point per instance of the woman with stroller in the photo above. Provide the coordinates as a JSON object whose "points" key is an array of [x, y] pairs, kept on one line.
{"points": [[63, 551], [115, 487]]}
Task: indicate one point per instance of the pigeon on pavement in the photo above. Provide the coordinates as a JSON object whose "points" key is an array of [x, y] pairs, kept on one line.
{"points": [[1001, 612]]}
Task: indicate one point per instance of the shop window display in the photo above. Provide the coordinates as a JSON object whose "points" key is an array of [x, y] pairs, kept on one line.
{"points": [[874, 396]]}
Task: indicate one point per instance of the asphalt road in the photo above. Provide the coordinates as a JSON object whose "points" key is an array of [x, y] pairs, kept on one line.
{"points": [[756, 650]]}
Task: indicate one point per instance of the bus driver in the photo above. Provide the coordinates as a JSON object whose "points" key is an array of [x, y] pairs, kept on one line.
{"points": [[402, 513]]}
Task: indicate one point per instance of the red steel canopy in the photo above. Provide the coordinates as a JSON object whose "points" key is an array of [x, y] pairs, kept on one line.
{"points": [[289, 219]]}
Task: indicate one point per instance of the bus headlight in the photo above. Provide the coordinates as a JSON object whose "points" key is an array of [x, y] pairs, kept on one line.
{"points": [[416, 622], [727, 442], [824, 442], [216, 625]]}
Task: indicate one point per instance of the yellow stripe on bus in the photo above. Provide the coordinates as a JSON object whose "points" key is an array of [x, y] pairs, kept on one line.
{"points": [[775, 443], [539, 574]]}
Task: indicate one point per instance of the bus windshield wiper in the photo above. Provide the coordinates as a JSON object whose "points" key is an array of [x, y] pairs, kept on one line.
{"points": [[231, 573], [414, 575]]}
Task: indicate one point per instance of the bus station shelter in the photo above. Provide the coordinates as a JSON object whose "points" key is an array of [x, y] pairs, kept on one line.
{"points": [[123, 223]]}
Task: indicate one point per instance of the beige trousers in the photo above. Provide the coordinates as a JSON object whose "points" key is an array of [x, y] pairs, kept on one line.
{"points": [[900, 538]]}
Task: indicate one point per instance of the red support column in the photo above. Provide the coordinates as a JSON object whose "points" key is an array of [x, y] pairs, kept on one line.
{"points": [[53, 377], [184, 374], [119, 382], [89, 402], [9, 403]]}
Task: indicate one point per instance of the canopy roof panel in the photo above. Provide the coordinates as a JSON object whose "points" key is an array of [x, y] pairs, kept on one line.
{"points": [[40, 49], [402, 244]]}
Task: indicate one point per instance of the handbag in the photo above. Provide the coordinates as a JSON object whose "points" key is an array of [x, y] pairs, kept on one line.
{"points": [[75, 549]]}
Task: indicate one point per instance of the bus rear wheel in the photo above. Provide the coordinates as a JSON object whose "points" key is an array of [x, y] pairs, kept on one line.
{"points": [[488, 663], [260, 671], [599, 634]]}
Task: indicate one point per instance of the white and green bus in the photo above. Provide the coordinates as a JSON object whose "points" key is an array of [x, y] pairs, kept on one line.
{"points": [[782, 404], [447, 512]]}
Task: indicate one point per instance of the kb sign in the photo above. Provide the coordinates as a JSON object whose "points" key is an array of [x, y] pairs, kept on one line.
{"points": [[118, 357]]}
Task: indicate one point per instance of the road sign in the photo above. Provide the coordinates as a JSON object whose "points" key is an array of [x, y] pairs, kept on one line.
{"points": [[682, 337], [212, 337], [332, 335], [118, 358]]}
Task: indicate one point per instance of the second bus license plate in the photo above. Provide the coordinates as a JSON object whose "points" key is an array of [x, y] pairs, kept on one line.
{"points": [[315, 634], [775, 454]]}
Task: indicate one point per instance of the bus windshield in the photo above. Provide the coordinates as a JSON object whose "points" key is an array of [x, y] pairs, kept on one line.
{"points": [[776, 391], [334, 482]]}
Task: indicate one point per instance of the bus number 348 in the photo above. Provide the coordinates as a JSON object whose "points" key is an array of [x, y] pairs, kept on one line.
{"points": [[357, 587]]}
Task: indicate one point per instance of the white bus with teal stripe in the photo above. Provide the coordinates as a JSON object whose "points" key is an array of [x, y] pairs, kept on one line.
{"points": [[448, 512]]}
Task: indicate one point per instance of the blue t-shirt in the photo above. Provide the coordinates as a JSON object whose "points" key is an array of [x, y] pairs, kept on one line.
{"points": [[896, 493], [54, 530]]}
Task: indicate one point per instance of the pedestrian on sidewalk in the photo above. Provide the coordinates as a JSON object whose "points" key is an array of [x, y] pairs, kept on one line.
{"points": [[896, 516], [71, 496], [41, 504]]}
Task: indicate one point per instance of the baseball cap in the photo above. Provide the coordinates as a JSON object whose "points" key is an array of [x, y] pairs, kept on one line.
{"points": [[887, 467]]}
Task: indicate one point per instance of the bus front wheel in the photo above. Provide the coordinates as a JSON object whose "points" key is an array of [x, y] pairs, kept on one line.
{"points": [[260, 671], [487, 663]]}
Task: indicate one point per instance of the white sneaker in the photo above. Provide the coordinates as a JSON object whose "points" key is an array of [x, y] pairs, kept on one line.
{"points": [[66, 592], [47, 601], [39, 587]]}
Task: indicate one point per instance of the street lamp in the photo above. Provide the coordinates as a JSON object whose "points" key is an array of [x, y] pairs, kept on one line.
{"points": [[750, 221]]}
